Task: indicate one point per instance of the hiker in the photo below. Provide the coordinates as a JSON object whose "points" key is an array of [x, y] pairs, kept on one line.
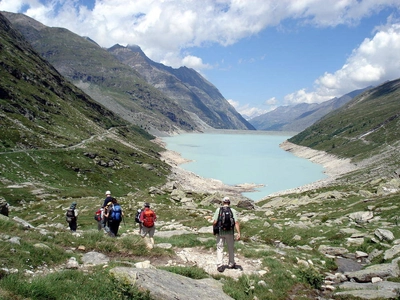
{"points": [[148, 218], [225, 218], [72, 217], [4, 207], [115, 215], [105, 220], [98, 216], [137, 218], [107, 199]]}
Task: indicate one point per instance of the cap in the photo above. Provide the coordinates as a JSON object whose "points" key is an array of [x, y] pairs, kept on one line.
{"points": [[227, 200], [108, 193], [147, 204]]}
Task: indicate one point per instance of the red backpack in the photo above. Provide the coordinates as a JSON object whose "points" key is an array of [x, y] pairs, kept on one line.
{"points": [[148, 218]]}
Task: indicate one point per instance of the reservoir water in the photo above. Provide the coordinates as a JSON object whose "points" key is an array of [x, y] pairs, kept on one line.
{"points": [[237, 157]]}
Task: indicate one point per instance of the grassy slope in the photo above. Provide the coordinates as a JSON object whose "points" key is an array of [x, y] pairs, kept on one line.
{"points": [[55, 138]]}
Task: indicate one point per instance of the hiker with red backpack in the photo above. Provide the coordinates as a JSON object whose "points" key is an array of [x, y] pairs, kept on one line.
{"points": [[225, 222], [148, 218]]}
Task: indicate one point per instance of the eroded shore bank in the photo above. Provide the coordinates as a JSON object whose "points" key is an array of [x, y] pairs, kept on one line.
{"points": [[333, 168]]}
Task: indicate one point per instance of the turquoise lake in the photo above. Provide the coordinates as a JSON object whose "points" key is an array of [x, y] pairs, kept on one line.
{"points": [[237, 157]]}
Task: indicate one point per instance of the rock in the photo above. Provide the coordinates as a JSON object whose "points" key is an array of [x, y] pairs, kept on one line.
{"points": [[335, 251], [168, 234], [246, 204], [361, 216], [72, 264], [94, 258], [15, 240], [384, 235], [23, 223], [379, 290], [392, 252], [144, 265], [164, 245], [381, 270], [164, 285], [360, 254]]}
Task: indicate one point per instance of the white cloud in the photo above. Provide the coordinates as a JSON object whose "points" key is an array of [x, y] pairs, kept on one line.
{"points": [[164, 29], [373, 62], [248, 111]]}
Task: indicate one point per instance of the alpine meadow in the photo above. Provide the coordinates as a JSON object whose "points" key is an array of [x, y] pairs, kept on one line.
{"points": [[77, 120]]}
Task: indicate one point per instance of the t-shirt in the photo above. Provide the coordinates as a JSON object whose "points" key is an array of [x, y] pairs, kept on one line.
{"points": [[215, 218]]}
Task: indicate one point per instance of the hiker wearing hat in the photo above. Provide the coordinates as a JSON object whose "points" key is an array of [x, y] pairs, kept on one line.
{"points": [[148, 218], [71, 217], [225, 220], [108, 199]]}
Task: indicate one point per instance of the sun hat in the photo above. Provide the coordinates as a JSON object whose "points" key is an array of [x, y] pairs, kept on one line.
{"points": [[108, 193]]}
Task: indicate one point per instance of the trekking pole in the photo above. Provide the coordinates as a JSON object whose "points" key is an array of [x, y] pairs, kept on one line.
{"points": [[123, 220]]}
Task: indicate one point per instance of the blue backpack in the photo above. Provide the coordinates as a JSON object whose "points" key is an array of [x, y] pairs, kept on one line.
{"points": [[116, 212]]}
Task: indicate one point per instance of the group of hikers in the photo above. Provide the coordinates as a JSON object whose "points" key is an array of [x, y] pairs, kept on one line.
{"points": [[110, 215]]}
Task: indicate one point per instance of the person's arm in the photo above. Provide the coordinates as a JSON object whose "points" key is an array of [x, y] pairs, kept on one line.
{"points": [[215, 217], [141, 216], [237, 226]]}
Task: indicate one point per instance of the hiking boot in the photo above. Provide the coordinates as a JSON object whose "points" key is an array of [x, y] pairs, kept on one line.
{"points": [[232, 266], [220, 269]]}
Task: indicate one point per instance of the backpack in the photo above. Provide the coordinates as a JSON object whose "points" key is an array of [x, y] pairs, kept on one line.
{"points": [[70, 215], [226, 219], [97, 215], [148, 218], [137, 216], [116, 213]]}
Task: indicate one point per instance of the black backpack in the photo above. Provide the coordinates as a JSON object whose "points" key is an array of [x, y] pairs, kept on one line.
{"points": [[70, 215], [137, 216], [226, 219]]}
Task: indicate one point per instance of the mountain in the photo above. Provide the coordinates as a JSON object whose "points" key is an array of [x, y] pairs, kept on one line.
{"points": [[187, 87], [56, 141], [366, 130], [298, 117], [118, 86]]}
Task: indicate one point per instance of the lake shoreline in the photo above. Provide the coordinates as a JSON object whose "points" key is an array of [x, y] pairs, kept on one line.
{"points": [[333, 166]]}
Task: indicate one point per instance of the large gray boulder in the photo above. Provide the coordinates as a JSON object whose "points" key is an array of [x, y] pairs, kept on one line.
{"points": [[164, 285]]}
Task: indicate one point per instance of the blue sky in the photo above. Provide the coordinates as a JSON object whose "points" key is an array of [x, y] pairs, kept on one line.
{"points": [[260, 54]]}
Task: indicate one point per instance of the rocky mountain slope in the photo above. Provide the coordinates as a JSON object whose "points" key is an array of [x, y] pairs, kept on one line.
{"points": [[296, 118], [125, 91], [186, 87]]}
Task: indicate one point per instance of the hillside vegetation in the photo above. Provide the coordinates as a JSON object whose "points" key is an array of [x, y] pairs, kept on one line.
{"points": [[56, 140], [366, 130]]}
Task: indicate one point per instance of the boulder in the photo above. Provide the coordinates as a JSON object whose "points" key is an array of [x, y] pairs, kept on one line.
{"points": [[164, 285]]}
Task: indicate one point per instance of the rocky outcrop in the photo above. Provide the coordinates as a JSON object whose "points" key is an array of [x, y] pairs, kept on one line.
{"points": [[164, 285]]}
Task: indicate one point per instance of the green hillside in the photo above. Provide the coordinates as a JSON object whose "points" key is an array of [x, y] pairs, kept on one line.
{"points": [[56, 140], [363, 127]]}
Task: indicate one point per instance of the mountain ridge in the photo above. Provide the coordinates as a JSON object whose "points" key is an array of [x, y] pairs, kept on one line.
{"points": [[296, 118], [117, 86]]}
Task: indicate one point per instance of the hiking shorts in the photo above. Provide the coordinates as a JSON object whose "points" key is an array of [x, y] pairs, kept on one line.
{"points": [[148, 230]]}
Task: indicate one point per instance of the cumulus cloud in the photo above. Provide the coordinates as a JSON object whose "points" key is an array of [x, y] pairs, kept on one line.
{"points": [[374, 61], [164, 29]]}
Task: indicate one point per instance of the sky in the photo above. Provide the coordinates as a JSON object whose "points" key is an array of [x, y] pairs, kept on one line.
{"points": [[260, 54]]}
